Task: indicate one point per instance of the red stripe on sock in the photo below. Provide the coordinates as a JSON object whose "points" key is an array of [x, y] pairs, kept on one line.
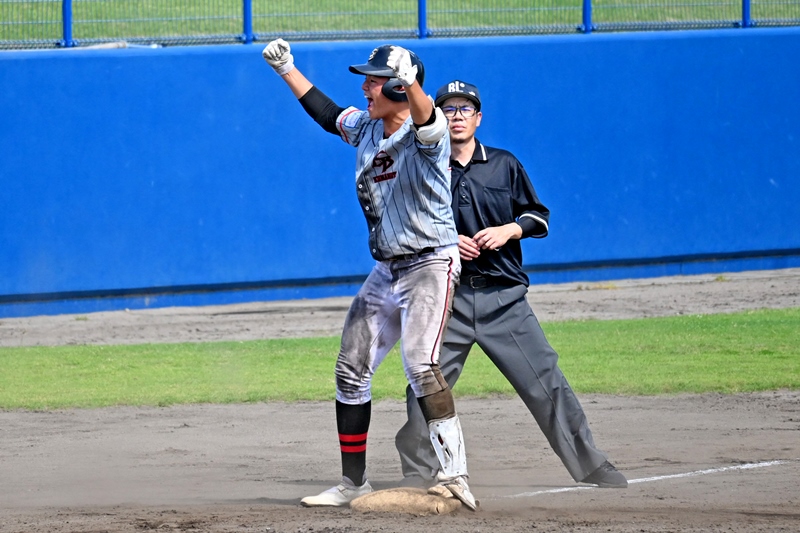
{"points": [[354, 449], [352, 438]]}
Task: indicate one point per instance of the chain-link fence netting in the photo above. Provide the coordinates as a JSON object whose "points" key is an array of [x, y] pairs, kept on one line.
{"points": [[67, 23], [30, 24]]}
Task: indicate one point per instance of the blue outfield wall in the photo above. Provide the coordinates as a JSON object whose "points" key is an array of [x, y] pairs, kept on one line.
{"points": [[137, 178]]}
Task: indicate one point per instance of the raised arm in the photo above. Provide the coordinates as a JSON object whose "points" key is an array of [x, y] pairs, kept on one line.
{"points": [[278, 55], [421, 106], [318, 106], [430, 124]]}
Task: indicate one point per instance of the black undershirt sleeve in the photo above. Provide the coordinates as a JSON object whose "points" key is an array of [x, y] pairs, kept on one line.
{"points": [[430, 121], [529, 226], [322, 109]]}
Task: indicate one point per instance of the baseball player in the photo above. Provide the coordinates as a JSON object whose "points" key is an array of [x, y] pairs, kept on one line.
{"points": [[495, 205], [402, 181]]}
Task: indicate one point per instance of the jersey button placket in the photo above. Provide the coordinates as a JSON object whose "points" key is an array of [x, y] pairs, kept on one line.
{"points": [[464, 193]]}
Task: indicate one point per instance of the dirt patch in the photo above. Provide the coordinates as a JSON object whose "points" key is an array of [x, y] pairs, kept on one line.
{"points": [[695, 462], [633, 298]]}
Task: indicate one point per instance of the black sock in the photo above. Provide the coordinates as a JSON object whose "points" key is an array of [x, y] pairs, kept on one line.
{"points": [[352, 422]]}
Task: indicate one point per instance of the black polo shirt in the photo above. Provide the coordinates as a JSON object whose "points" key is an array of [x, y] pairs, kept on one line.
{"points": [[492, 190]]}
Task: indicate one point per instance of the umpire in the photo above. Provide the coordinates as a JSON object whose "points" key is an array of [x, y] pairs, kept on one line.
{"points": [[495, 205]]}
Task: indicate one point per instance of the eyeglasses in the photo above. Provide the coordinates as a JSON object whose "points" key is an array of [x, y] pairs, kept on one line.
{"points": [[467, 111]]}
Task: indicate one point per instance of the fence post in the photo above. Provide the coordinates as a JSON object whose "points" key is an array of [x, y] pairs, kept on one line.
{"points": [[746, 20], [586, 27], [66, 24], [422, 18], [247, 21]]}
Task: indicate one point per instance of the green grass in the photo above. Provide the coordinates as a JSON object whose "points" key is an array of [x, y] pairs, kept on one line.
{"points": [[743, 352], [126, 19]]}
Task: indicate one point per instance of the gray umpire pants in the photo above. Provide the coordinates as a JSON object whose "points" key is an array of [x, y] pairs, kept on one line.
{"points": [[500, 320]]}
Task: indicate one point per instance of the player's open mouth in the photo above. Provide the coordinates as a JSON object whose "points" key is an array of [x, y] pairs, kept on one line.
{"points": [[370, 103]]}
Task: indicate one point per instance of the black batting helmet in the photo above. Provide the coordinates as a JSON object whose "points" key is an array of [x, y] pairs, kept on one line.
{"points": [[376, 66]]}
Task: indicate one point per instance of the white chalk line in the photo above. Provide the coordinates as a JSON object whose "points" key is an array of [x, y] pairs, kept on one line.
{"points": [[746, 466]]}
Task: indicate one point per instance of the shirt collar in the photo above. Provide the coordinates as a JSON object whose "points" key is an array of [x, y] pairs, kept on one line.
{"points": [[479, 155]]}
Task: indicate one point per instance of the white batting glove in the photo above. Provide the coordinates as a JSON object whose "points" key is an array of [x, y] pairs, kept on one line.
{"points": [[400, 62], [278, 56]]}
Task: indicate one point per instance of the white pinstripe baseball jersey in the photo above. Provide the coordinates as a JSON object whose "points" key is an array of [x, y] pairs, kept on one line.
{"points": [[403, 186]]}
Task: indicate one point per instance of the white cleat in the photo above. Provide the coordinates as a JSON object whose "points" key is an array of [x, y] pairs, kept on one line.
{"points": [[458, 487], [339, 496]]}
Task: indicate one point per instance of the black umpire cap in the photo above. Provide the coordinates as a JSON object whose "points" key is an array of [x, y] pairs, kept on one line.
{"points": [[459, 88]]}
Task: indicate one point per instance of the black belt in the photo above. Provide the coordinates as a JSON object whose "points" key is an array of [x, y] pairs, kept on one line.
{"points": [[424, 251], [481, 282]]}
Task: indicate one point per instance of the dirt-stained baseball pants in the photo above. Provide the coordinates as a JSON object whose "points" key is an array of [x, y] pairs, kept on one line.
{"points": [[408, 299], [500, 320]]}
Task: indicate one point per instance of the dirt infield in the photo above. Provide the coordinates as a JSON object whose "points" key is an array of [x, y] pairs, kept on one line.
{"points": [[695, 462]]}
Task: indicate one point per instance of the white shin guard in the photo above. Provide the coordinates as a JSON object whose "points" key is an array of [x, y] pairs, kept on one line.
{"points": [[448, 441]]}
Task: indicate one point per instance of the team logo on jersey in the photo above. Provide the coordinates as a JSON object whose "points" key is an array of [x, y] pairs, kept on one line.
{"points": [[382, 161], [384, 177]]}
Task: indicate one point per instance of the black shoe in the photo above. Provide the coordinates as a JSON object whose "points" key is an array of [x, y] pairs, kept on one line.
{"points": [[607, 477]]}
